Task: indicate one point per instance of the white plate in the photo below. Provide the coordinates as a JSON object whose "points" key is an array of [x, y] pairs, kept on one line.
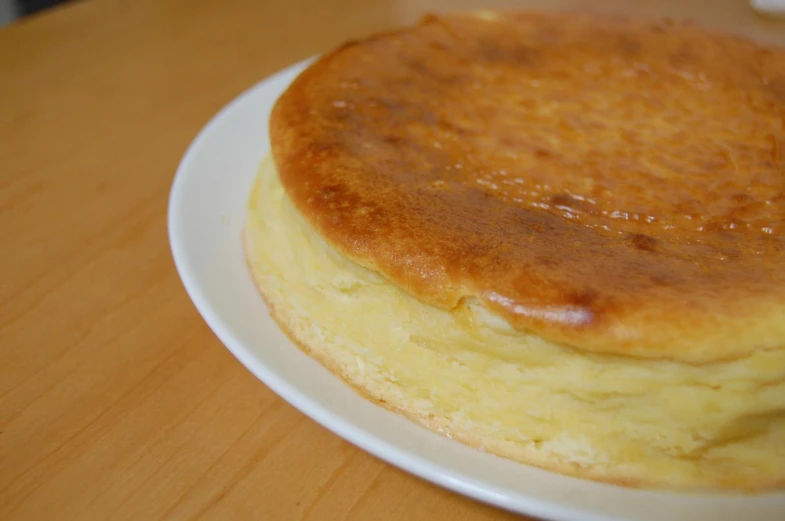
{"points": [[206, 211]]}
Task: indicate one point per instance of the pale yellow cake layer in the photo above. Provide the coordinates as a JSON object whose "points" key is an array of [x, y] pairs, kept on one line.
{"points": [[467, 374]]}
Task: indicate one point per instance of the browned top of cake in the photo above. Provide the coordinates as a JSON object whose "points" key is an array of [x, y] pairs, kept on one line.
{"points": [[616, 185]]}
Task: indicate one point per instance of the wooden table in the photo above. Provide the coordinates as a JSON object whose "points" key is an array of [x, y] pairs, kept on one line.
{"points": [[116, 401]]}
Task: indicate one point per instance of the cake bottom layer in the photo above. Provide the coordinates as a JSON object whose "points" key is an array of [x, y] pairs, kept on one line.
{"points": [[467, 374]]}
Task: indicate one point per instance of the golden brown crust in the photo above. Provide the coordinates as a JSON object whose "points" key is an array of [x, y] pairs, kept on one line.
{"points": [[616, 185]]}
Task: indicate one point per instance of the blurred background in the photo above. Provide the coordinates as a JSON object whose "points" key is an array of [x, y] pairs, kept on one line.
{"points": [[10, 10]]}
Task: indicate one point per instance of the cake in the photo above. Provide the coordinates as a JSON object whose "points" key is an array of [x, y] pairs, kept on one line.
{"points": [[557, 237]]}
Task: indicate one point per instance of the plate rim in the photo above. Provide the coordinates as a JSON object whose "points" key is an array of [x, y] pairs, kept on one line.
{"points": [[339, 426], [451, 479]]}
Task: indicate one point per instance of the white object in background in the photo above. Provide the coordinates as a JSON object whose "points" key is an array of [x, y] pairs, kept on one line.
{"points": [[769, 7]]}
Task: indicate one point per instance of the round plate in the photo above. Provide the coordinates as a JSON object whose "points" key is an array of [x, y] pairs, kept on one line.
{"points": [[206, 212]]}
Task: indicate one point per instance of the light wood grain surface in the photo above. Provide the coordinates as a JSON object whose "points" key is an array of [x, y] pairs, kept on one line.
{"points": [[116, 401]]}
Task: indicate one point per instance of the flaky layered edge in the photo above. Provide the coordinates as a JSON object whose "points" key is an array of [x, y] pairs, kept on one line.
{"points": [[373, 385]]}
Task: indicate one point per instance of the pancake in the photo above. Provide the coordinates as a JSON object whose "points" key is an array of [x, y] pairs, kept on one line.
{"points": [[554, 236]]}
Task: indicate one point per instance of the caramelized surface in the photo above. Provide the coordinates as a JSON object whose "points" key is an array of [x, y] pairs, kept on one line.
{"points": [[617, 185]]}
